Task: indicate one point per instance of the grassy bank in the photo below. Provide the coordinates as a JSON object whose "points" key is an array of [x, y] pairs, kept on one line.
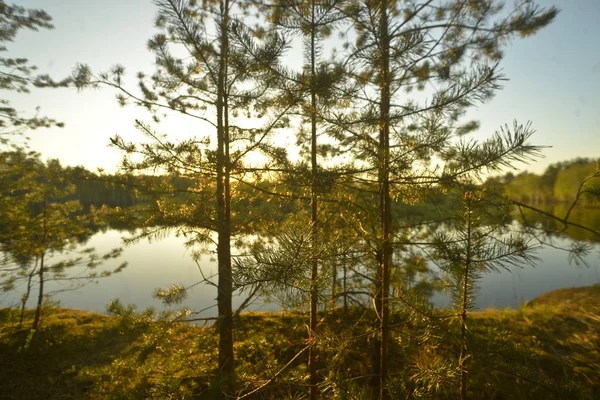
{"points": [[549, 348]]}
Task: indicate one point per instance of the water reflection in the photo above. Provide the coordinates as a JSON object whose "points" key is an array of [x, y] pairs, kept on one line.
{"points": [[161, 263], [520, 285], [151, 265]]}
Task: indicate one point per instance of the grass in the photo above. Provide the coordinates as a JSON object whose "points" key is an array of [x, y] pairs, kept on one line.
{"points": [[549, 348], [563, 328]]}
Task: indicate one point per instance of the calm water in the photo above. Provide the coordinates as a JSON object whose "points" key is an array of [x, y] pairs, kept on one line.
{"points": [[520, 285], [159, 264]]}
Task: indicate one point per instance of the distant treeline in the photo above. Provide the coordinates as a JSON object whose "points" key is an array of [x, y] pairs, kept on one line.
{"points": [[95, 190], [124, 191], [560, 183]]}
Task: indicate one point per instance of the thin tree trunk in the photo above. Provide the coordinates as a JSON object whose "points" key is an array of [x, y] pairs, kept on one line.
{"points": [[312, 356], [384, 199], [27, 293], [40, 301], [376, 378], [463, 306], [334, 284], [345, 289], [225, 281], [38, 309]]}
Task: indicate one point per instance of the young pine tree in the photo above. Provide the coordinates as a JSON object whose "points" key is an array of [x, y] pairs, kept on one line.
{"points": [[449, 51], [213, 74], [312, 93], [479, 242]]}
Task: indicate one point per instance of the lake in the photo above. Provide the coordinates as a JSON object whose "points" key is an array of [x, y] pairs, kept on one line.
{"points": [[160, 263]]}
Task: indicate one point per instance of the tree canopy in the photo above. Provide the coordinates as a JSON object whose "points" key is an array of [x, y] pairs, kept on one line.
{"points": [[17, 74]]}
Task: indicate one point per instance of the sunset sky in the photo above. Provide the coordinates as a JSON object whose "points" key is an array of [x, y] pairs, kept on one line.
{"points": [[554, 80]]}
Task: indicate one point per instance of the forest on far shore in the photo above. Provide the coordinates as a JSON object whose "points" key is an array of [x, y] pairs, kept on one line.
{"points": [[558, 184]]}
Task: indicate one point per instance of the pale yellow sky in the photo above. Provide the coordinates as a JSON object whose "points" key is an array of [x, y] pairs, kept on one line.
{"points": [[554, 81]]}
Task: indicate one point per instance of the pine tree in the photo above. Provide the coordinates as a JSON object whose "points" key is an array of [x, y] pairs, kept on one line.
{"points": [[450, 51], [314, 21], [220, 81], [479, 243]]}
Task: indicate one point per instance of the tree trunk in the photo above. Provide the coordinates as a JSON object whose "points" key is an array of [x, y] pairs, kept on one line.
{"points": [[463, 305], [40, 302], [334, 284], [27, 293], [345, 289], [223, 194], [312, 357], [384, 198]]}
